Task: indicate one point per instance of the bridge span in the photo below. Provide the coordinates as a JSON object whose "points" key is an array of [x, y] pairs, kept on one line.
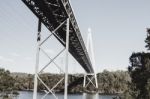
{"points": [[53, 14]]}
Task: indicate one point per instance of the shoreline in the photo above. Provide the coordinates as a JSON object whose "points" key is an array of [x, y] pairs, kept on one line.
{"points": [[77, 93]]}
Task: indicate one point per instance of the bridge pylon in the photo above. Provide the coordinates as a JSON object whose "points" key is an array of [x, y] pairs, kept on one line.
{"points": [[38, 71], [88, 77]]}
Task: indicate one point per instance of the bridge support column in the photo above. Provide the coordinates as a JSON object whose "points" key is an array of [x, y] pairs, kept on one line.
{"points": [[38, 71], [96, 82], [88, 78], [37, 61], [91, 76], [66, 64]]}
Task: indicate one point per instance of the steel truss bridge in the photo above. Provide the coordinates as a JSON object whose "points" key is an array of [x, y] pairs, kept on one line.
{"points": [[58, 17], [54, 13]]}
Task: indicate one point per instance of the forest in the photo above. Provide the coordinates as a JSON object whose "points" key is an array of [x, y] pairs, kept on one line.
{"points": [[108, 82]]}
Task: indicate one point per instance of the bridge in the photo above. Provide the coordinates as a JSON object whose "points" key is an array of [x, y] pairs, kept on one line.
{"points": [[58, 17], [53, 13]]}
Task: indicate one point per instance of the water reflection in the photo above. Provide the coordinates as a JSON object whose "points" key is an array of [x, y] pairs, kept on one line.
{"points": [[28, 95], [90, 96]]}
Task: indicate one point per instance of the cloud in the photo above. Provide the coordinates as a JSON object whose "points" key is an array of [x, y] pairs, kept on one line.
{"points": [[6, 59], [15, 54]]}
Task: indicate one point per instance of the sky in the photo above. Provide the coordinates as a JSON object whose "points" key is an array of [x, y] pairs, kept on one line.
{"points": [[118, 29]]}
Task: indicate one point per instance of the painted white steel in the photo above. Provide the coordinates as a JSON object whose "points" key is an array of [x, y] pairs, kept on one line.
{"points": [[66, 63], [37, 63]]}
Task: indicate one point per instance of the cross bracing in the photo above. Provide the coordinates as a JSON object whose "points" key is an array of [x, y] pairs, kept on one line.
{"points": [[53, 14]]}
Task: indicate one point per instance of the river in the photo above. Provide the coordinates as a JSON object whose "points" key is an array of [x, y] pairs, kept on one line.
{"points": [[28, 95]]}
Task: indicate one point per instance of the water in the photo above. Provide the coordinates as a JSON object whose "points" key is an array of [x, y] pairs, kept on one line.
{"points": [[28, 95]]}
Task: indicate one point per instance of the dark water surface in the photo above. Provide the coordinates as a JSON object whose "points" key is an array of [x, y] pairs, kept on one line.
{"points": [[28, 95]]}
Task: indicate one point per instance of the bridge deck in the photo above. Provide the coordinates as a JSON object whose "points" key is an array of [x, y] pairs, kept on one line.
{"points": [[54, 12]]}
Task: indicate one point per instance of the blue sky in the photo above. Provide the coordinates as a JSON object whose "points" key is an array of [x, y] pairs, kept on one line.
{"points": [[118, 29]]}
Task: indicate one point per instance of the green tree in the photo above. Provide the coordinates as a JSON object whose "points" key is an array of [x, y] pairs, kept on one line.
{"points": [[6, 81], [113, 82], [147, 40], [140, 74]]}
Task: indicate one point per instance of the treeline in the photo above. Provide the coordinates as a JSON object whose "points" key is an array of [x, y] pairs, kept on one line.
{"points": [[113, 82], [108, 82]]}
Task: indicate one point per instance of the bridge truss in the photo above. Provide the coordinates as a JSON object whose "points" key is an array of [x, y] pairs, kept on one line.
{"points": [[58, 17]]}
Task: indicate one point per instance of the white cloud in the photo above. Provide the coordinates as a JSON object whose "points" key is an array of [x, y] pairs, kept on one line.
{"points": [[15, 54], [3, 59]]}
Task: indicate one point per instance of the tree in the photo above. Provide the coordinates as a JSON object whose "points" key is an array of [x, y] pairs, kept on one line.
{"points": [[140, 74], [6, 81], [147, 40]]}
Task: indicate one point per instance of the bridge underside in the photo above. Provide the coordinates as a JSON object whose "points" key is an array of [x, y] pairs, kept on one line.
{"points": [[52, 13]]}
